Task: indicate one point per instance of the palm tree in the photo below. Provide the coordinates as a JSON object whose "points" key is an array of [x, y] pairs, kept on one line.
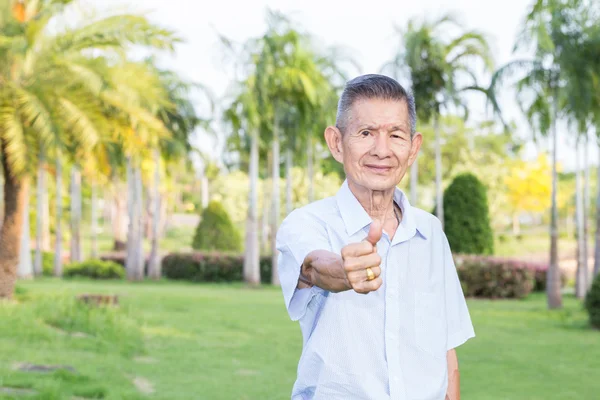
{"points": [[554, 87], [242, 116], [50, 97], [435, 63]]}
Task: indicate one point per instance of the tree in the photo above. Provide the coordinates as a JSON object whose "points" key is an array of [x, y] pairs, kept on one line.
{"points": [[539, 94], [284, 80], [216, 231], [529, 187], [51, 96], [467, 221], [435, 62]]}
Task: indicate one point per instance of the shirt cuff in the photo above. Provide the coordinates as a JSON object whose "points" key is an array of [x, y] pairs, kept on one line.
{"points": [[300, 301]]}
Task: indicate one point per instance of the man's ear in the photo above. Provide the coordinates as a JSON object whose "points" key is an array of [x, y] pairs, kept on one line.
{"points": [[415, 146], [333, 137]]}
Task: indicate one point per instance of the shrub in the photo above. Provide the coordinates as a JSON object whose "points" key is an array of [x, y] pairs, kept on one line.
{"points": [[466, 216], [95, 269], [120, 258], [592, 302], [210, 267], [47, 262], [491, 277], [216, 231]]}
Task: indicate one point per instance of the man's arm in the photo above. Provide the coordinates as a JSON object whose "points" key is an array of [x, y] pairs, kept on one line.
{"points": [[453, 392]]}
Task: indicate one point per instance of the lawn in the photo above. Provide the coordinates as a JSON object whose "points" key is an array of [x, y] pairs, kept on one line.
{"points": [[214, 342]]}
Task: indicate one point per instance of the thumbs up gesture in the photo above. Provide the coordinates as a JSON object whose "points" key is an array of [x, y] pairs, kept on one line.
{"points": [[362, 263]]}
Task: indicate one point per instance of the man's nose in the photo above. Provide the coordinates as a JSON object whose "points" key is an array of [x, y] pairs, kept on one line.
{"points": [[381, 146]]}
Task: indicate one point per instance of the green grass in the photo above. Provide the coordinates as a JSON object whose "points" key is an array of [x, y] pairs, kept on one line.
{"points": [[227, 342]]}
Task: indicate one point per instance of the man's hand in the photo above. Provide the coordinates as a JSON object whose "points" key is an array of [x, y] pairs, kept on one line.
{"points": [[357, 257], [333, 273]]}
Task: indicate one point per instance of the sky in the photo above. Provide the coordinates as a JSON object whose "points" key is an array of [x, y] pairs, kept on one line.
{"points": [[366, 30]]}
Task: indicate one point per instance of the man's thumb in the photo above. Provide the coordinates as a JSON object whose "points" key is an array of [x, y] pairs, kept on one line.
{"points": [[375, 232]]}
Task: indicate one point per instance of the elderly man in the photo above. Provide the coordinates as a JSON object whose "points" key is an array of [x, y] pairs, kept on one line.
{"points": [[370, 278]]}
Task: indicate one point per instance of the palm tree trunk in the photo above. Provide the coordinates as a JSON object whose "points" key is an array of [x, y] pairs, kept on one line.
{"points": [[265, 211], [1, 197], [553, 285], [15, 195], [130, 245], [39, 217], [310, 170], [25, 269], [586, 209], [252, 255], [46, 237], [439, 208], [288, 181], [119, 214], [275, 202], [133, 234], [140, 261], [580, 277], [94, 223], [75, 215], [597, 238], [414, 182], [154, 263], [58, 268]]}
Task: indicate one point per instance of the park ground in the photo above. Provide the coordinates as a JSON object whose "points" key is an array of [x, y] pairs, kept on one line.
{"points": [[169, 340]]}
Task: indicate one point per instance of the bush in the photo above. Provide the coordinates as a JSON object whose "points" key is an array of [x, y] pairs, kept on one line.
{"points": [[95, 269], [592, 302], [210, 267], [47, 262], [466, 216], [491, 277], [216, 231], [120, 258], [540, 271]]}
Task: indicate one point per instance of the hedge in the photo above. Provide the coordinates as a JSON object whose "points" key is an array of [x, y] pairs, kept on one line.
{"points": [[210, 267], [489, 277], [95, 269], [480, 276]]}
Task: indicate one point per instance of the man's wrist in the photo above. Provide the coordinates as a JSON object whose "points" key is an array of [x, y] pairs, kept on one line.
{"points": [[304, 281]]}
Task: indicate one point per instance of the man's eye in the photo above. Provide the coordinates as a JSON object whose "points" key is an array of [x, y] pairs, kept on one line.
{"points": [[365, 133], [396, 136]]}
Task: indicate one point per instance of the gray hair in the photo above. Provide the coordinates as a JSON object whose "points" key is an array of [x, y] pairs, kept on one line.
{"points": [[373, 86]]}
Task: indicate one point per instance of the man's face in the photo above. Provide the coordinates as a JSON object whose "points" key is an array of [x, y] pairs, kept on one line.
{"points": [[376, 148]]}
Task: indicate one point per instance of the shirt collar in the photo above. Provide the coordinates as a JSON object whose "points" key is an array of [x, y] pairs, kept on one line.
{"points": [[356, 218]]}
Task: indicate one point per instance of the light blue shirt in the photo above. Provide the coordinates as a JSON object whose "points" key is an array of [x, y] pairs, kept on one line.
{"points": [[388, 344]]}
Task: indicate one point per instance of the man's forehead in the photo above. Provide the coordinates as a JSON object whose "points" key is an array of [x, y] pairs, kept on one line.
{"points": [[378, 111]]}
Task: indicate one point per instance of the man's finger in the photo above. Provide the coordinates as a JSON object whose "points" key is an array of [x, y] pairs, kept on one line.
{"points": [[357, 250], [361, 275], [375, 232], [362, 262], [368, 286]]}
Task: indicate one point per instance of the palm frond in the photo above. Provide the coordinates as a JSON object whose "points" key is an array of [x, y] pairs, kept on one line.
{"points": [[11, 133]]}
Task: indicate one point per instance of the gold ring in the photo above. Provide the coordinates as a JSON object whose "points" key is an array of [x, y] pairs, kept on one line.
{"points": [[370, 274]]}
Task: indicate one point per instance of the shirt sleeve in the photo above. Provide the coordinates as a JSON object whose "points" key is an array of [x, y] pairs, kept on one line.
{"points": [[297, 236], [460, 327]]}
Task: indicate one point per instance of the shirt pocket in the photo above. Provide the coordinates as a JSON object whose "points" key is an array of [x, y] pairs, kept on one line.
{"points": [[430, 324]]}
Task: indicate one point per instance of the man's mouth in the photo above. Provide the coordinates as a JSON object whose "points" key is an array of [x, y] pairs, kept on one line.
{"points": [[379, 168]]}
